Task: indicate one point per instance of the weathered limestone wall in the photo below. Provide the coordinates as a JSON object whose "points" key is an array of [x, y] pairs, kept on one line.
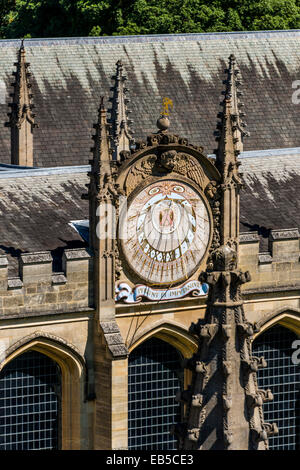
{"points": [[274, 286], [58, 336], [275, 275], [168, 320], [277, 267], [111, 390], [38, 290], [52, 313], [61, 305]]}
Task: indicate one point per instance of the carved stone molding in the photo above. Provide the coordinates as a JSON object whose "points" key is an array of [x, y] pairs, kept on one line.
{"points": [[142, 170], [266, 431], [197, 400], [118, 263], [227, 368], [168, 161], [258, 399], [228, 437], [193, 434], [227, 402], [114, 340], [225, 286], [289, 234], [255, 363], [264, 258], [44, 336], [249, 237], [208, 332], [212, 192], [248, 329], [201, 367], [226, 332]]}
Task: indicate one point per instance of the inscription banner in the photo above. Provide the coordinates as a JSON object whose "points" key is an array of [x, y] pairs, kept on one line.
{"points": [[132, 296]]}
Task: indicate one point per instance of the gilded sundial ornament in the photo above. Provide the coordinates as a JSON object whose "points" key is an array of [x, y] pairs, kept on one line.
{"points": [[166, 232]]}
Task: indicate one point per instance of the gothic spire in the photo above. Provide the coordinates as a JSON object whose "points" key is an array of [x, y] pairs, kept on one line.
{"points": [[230, 146], [102, 186], [21, 117], [121, 133], [102, 149], [232, 127]]}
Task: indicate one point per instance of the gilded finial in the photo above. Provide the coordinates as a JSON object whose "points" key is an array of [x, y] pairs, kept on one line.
{"points": [[163, 123], [167, 102]]}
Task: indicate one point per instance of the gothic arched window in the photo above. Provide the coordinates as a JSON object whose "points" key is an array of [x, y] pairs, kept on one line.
{"points": [[283, 378], [154, 377], [30, 396]]}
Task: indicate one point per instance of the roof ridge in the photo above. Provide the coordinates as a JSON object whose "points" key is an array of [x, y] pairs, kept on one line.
{"points": [[146, 37], [12, 171]]}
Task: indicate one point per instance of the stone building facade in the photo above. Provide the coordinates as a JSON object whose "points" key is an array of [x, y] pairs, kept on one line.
{"points": [[98, 336]]}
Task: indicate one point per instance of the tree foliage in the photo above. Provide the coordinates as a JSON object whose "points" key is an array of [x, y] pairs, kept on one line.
{"points": [[62, 18]]}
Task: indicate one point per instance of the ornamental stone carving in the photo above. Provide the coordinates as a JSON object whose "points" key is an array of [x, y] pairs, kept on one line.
{"points": [[169, 161]]}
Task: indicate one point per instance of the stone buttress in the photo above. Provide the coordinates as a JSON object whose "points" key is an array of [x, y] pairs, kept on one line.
{"points": [[110, 353], [223, 403]]}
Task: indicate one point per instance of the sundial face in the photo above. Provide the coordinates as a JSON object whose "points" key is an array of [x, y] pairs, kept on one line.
{"points": [[166, 232]]}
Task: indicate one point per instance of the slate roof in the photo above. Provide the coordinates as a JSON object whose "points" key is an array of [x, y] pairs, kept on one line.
{"points": [[270, 199], [69, 75], [35, 210]]}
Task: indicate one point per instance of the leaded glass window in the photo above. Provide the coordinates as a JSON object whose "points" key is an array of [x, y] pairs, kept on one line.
{"points": [[283, 378], [29, 403], [154, 377]]}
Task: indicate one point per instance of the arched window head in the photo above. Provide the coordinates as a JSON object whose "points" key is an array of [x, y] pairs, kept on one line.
{"points": [[282, 376], [154, 377], [30, 403]]}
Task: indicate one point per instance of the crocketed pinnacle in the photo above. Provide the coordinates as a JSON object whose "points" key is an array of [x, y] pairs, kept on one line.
{"points": [[22, 105], [102, 148], [231, 127], [21, 118], [121, 133], [101, 154], [102, 175]]}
